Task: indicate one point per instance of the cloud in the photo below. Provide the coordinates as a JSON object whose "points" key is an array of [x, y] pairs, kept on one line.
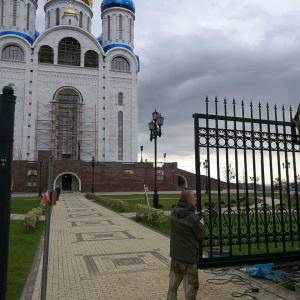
{"points": [[247, 50]]}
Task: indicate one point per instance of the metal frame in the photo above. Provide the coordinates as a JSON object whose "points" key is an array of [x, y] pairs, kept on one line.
{"points": [[247, 222]]}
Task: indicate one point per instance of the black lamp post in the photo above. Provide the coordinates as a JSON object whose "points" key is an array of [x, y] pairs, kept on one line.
{"points": [[93, 174], [40, 187], [155, 131], [142, 148], [205, 166]]}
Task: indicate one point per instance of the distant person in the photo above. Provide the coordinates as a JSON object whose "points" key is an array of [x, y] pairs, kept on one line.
{"points": [[58, 191], [186, 231]]}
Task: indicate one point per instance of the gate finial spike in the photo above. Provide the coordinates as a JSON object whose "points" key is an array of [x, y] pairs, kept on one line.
{"points": [[283, 109], [275, 107], [225, 102], [251, 105], [259, 105], [216, 99], [291, 108], [206, 99], [267, 105], [243, 103], [233, 101]]}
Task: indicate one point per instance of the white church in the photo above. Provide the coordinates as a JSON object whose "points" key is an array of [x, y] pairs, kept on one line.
{"points": [[76, 93]]}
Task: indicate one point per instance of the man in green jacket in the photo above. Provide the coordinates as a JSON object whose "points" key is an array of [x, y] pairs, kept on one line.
{"points": [[186, 231]]}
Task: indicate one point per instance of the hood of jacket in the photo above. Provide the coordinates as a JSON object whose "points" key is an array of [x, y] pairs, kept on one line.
{"points": [[183, 209]]}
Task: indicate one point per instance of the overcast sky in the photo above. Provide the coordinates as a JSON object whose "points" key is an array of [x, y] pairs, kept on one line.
{"points": [[248, 50]]}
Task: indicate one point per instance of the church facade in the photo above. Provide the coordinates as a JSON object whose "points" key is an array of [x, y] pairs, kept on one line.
{"points": [[76, 93], [76, 107]]}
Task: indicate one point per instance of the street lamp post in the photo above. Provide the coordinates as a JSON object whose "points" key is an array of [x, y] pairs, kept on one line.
{"points": [[40, 187], [93, 174], [205, 166], [155, 131], [142, 148]]}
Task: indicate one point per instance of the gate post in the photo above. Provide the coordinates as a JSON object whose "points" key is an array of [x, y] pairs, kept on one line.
{"points": [[7, 120]]}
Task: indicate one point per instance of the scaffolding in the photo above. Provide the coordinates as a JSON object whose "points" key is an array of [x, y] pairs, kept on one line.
{"points": [[68, 128]]}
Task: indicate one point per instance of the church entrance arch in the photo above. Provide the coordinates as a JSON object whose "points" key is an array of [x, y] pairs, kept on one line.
{"points": [[68, 181], [181, 181]]}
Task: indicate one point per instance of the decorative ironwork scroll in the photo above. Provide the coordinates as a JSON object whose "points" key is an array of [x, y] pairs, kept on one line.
{"points": [[249, 196]]}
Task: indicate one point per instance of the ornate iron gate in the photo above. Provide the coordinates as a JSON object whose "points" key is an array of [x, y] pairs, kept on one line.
{"points": [[249, 198]]}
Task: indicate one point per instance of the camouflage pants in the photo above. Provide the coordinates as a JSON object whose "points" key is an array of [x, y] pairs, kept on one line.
{"points": [[188, 273]]}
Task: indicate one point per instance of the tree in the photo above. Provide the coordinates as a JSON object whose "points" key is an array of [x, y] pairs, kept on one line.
{"points": [[229, 174]]}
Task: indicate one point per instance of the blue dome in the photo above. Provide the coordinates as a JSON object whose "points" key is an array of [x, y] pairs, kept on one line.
{"points": [[128, 4], [99, 39]]}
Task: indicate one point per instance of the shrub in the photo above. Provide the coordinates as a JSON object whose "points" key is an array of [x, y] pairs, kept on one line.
{"points": [[89, 196], [115, 203], [32, 217], [154, 216]]}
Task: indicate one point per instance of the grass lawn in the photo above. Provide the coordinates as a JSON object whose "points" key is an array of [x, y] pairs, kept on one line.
{"points": [[22, 248], [22, 205], [166, 200], [165, 228]]}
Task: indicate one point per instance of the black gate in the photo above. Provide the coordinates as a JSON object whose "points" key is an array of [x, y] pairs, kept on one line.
{"points": [[248, 192]]}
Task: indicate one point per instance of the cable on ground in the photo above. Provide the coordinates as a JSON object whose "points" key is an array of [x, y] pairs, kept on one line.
{"points": [[238, 280]]}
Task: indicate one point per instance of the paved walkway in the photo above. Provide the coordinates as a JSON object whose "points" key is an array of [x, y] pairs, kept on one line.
{"points": [[98, 254]]}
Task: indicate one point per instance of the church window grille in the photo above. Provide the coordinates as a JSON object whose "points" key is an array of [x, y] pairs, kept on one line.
{"points": [[120, 99], [120, 135], [108, 27], [12, 53], [67, 120], [57, 16], [91, 59], [28, 16], [80, 19], [120, 26], [46, 55], [69, 52], [15, 3], [120, 64]]}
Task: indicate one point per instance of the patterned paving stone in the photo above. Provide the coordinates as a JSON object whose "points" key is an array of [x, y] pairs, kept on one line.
{"points": [[99, 254]]}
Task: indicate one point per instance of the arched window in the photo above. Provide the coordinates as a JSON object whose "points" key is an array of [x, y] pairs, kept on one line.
{"points": [[69, 22], [28, 16], [89, 24], [48, 19], [67, 120], [80, 19], [120, 135], [91, 59], [130, 30], [15, 3], [57, 16], [12, 52], [1, 12], [120, 64], [69, 52], [108, 27], [46, 55], [120, 99], [120, 26]]}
